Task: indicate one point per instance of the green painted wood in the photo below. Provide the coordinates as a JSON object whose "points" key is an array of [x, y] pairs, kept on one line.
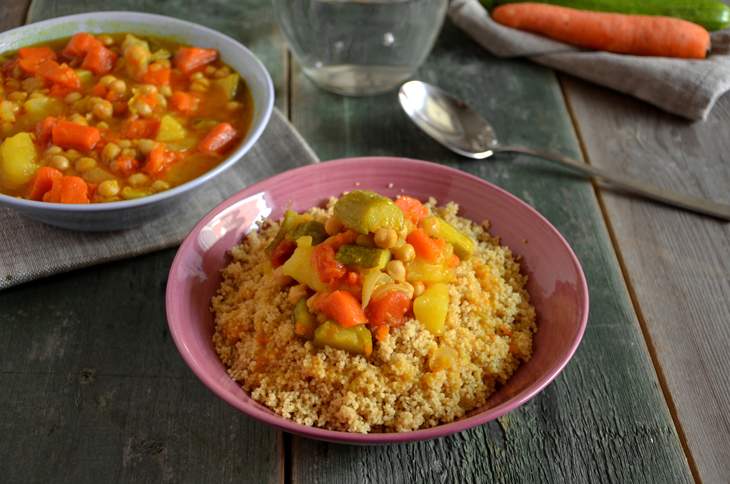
{"points": [[604, 418], [249, 21], [676, 262], [94, 389]]}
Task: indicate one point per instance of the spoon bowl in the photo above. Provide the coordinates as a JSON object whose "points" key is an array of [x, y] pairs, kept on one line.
{"points": [[458, 127]]}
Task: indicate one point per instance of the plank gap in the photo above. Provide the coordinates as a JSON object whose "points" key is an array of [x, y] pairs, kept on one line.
{"points": [[287, 457], [289, 82], [632, 293]]}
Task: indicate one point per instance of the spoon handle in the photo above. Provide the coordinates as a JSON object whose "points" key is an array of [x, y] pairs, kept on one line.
{"points": [[699, 205]]}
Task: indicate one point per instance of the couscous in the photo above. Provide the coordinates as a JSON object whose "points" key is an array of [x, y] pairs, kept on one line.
{"points": [[372, 314]]}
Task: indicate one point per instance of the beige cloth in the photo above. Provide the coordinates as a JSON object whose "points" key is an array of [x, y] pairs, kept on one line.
{"points": [[29, 249], [688, 88]]}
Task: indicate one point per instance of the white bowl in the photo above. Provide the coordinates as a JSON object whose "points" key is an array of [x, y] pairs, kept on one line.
{"points": [[130, 213]]}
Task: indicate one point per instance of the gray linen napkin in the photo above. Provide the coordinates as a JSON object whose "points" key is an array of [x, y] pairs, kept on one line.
{"points": [[688, 88], [30, 250]]}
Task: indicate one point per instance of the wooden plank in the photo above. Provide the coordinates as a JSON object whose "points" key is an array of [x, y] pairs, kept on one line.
{"points": [[604, 419], [250, 22], [94, 389], [12, 13], [676, 263]]}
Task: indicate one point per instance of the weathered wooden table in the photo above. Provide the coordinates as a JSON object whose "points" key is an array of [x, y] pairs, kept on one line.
{"points": [[93, 389]]}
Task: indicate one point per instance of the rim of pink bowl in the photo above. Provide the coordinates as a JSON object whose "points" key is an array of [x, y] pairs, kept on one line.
{"points": [[372, 438]]}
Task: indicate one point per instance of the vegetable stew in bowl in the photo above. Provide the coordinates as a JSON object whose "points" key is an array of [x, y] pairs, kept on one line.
{"points": [[103, 118]]}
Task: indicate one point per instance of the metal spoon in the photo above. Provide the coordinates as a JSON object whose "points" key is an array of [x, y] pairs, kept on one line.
{"points": [[462, 130]]}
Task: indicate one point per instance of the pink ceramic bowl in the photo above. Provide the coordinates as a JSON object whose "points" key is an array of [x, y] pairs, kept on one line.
{"points": [[556, 285]]}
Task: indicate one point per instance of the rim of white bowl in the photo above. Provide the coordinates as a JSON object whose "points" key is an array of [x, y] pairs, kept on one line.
{"points": [[252, 136]]}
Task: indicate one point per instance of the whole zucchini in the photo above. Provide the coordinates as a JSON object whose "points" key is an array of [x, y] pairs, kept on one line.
{"points": [[711, 14]]}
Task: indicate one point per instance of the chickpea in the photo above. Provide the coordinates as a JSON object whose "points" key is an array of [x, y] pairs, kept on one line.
{"points": [[138, 180], [148, 89], [222, 72], [146, 145], [18, 96], [296, 293], [233, 105], [198, 86], [385, 238], [6, 127], [396, 270], [102, 125], [166, 91], [418, 288], [210, 70], [125, 143], [129, 152], [78, 119], [31, 84], [110, 152], [160, 186], [73, 154], [364, 240], [197, 76], [333, 225], [107, 80], [118, 87], [108, 188], [84, 164], [429, 226], [60, 162], [142, 108], [72, 97], [106, 40], [54, 150], [103, 109], [405, 253]]}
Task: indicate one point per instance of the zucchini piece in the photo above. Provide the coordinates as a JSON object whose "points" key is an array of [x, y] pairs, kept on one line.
{"points": [[357, 339], [365, 212], [304, 321], [290, 221], [711, 14], [311, 228], [363, 257], [437, 227]]}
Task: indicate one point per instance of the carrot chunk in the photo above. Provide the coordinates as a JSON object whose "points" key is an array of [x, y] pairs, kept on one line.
{"points": [[412, 208], [29, 58], [191, 59], [99, 60], [158, 77], [58, 73], [140, 128], [77, 136], [390, 309], [328, 268], [124, 165], [43, 182], [43, 130], [184, 102], [68, 189], [217, 139], [341, 306], [613, 32], [80, 44], [425, 247], [158, 161]]}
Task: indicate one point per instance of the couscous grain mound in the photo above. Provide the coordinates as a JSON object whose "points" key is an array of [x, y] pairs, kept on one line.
{"points": [[400, 387]]}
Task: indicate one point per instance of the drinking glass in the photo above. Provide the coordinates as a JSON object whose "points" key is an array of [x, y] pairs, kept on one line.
{"points": [[359, 47]]}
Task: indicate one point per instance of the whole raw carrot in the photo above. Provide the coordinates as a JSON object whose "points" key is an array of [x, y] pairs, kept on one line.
{"points": [[612, 32]]}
